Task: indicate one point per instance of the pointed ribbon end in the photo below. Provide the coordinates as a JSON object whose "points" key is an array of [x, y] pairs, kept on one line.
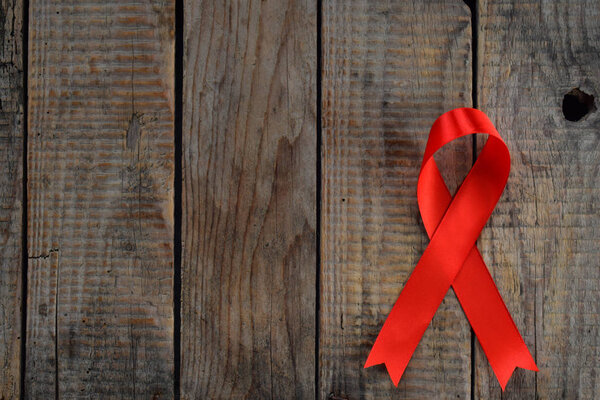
{"points": [[395, 369], [526, 362], [372, 360], [503, 378]]}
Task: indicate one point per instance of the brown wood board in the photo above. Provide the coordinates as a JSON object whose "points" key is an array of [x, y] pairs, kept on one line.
{"points": [[541, 243], [389, 69], [100, 200], [249, 200], [11, 195]]}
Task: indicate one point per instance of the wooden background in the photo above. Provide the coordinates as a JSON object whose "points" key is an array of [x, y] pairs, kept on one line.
{"points": [[217, 199]]}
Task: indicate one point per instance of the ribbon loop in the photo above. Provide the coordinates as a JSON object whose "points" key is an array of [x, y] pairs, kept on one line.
{"points": [[452, 259]]}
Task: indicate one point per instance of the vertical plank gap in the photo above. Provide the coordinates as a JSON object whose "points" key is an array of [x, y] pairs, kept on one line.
{"points": [[318, 192], [474, 61], [24, 202], [177, 198], [472, 4]]}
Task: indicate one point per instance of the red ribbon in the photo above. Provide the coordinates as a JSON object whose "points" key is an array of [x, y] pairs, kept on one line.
{"points": [[452, 258]]}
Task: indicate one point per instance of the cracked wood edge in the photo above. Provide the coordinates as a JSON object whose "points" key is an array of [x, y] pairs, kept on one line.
{"points": [[11, 194], [541, 243], [100, 200], [249, 201]]}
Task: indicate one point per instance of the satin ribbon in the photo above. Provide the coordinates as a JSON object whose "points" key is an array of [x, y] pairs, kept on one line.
{"points": [[452, 258]]}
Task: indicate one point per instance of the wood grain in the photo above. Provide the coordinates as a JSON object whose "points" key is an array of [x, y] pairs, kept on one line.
{"points": [[11, 194], [389, 70], [248, 219], [541, 243], [100, 206]]}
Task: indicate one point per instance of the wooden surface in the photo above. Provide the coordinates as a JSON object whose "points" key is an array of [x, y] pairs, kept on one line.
{"points": [[100, 200], [298, 223], [11, 195], [249, 200], [389, 69], [541, 243]]}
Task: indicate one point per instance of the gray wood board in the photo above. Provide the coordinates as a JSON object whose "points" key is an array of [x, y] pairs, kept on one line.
{"points": [[389, 70], [11, 195], [249, 201], [100, 208], [541, 243]]}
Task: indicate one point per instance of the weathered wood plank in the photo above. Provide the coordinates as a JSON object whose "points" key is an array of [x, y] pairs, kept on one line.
{"points": [[248, 219], [100, 207], [11, 194], [389, 70], [541, 243]]}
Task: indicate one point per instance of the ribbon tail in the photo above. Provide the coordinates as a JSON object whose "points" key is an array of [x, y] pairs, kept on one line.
{"points": [[395, 361], [490, 319], [505, 370], [394, 370], [411, 314]]}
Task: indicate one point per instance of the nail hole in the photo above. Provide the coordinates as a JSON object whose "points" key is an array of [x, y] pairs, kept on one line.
{"points": [[577, 104]]}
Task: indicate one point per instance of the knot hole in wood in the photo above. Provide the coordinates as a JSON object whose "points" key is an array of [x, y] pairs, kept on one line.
{"points": [[577, 104]]}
